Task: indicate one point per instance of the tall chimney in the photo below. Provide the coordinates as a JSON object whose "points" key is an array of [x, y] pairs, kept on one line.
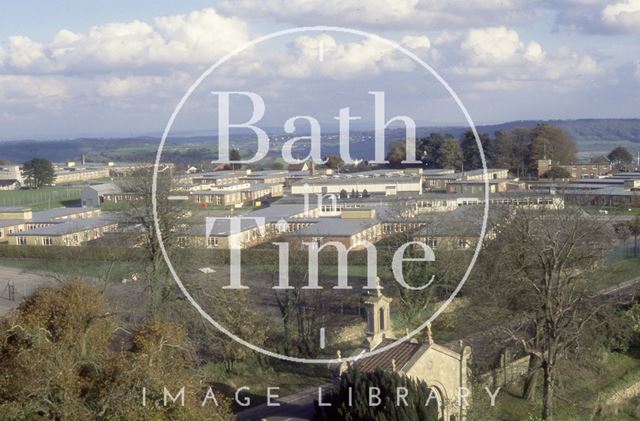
{"points": [[83, 159]]}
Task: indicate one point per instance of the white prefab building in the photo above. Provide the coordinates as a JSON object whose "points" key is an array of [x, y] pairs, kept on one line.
{"points": [[10, 177], [93, 196], [387, 185]]}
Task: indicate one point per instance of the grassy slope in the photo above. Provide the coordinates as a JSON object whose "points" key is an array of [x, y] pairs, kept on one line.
{"points": [[578, 397]]}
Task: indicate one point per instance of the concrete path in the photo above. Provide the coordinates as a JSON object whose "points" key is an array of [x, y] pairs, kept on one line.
{"points": [[25, 283]]}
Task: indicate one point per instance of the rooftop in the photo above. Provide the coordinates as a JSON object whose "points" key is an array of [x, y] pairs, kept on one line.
{"points": [[70, 226], [336, 227], [401, 353]]}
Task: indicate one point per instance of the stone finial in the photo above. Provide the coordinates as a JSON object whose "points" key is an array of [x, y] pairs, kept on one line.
{"points": [[393, 365], [339, 354], [378, 287], [429, 334]]}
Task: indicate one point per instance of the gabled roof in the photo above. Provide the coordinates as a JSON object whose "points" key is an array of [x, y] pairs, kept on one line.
{"points": [[401, 353], [106, 188]]}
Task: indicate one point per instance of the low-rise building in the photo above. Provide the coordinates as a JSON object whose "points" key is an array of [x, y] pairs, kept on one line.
{"points": [[375, 183], [22, 222], [439, 181], [577, 170], [73, 232], [74, 174]]}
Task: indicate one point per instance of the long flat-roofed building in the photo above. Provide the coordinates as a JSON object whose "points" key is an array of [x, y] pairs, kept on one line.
{"points": [[73, 232], [375, 183], [16, 224]]}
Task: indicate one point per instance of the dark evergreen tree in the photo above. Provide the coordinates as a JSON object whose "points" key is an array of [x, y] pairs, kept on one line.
{"points": [[38, 172], [421, 402]]}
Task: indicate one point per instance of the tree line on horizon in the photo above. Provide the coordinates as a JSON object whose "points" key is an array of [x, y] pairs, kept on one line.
{"points": [[517, 149]]}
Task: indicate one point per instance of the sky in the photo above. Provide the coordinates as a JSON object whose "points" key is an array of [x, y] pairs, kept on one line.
{"points": [[115, 68]]}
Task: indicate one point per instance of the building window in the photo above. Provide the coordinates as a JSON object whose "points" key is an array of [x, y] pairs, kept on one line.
{"points": [[212, 242], [22, 240], [47, 241], [182, 241]]}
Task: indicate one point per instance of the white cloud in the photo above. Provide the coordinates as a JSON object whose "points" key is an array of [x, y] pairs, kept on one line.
{"points": [[406, 14], [492, 45], [198, 37], [416, 42], [127, 86], [624, 15], [340, 60], [25, 53], [22, 87], [599, 16], [637, 72], [500, 57]]}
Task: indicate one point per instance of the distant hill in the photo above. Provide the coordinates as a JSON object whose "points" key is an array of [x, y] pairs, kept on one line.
{"points": [[593, 136]]}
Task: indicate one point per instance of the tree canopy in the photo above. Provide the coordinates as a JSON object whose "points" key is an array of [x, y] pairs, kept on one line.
{"points": [[620, 157], [62, 357], [38, 172], [556, 173], [554, 143]]}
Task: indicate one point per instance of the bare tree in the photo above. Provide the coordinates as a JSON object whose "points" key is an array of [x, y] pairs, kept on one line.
{"points": [[542, 262], [171, 220], [299, 308]]}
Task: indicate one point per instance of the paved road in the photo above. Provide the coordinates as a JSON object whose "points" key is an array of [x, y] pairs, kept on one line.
{"points": [[25, 283], [296, 407]]}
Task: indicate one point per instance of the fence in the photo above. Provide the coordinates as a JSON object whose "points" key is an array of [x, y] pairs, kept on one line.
{"points": [[38, 196]]}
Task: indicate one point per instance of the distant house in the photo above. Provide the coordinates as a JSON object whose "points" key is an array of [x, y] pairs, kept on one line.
{"points": [[577, 170]]}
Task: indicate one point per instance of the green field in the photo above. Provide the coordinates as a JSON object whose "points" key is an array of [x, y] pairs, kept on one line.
{"points": [[73, 269], [43, 198]]}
